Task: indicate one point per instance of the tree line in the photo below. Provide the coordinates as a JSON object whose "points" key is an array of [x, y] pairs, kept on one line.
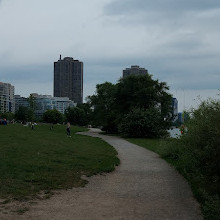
{"points": [[136, 106], [75, 115]]}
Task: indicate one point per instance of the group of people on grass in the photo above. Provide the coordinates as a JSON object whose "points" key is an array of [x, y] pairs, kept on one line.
{"points": [[51, 128], [3, 122], [32, 124]]}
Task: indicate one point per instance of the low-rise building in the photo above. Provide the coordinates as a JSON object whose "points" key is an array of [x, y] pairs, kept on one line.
{"points": [[43, 103], [21, 101]]}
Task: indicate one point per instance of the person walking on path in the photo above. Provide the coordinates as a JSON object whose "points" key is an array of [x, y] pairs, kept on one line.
{"points": [[68, 129]]}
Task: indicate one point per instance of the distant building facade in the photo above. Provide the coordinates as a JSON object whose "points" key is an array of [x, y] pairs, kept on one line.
{"points": [[7, 103], [134, 70], [21, 101], [68, 79], [180, 118], [183, 117], [43, 103], [175, 109]]}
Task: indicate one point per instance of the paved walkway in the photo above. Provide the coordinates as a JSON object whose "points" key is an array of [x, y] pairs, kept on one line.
{"points": [[142, 187]]}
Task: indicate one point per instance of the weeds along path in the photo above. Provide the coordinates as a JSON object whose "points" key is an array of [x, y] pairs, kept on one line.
{"points": [[143, 186]]}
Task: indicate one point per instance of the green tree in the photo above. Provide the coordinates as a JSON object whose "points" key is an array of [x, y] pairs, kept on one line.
{"points": [[103, 103], [76, 116], [53, 116], [141, 91], [8, 115], [142, 123], [24, 114], [31, 101], [86, 107], [113, 104]]}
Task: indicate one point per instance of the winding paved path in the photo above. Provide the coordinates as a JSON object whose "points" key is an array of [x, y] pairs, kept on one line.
{"points": [[142, 187]]}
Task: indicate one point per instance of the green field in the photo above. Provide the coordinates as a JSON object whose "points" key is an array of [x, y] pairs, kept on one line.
{"points": [[32, 161]]}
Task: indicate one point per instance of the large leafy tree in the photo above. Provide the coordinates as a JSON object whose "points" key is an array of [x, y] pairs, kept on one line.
{"points": [[24, 114], [103, 103], [141, 91], [53, 116], [142, 123], [88, 112], [76, 116], [136, 100]]}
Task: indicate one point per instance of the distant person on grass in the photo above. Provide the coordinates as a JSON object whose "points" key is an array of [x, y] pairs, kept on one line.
{"points": [[182, 129], [4, 121], [51, 126], [68, 129]]}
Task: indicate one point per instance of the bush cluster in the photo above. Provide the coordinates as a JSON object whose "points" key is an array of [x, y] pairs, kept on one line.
{"points": [[142, 123], [203, 137], [197, 153]]}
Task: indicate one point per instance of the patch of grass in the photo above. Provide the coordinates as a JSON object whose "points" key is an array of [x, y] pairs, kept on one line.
{"points": [[185, 161], [155, 145], [43, 160], [21, 211], [6, 201]]}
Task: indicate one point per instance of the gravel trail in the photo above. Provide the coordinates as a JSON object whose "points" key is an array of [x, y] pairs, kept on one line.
{"points": [[142, 187]]}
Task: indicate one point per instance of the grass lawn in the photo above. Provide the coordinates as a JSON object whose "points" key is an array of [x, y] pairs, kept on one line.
{"points": [[42, 159]]}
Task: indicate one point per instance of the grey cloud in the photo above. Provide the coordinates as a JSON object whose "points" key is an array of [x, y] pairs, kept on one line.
{"points": [[173, 13], [40, 73], [185, 72], [188, 71], [129, 6]]}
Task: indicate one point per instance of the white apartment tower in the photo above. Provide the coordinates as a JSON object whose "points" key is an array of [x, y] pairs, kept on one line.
{"points": [[7, 103]]}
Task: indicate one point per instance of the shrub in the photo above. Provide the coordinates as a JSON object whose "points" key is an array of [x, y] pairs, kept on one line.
{"points": [[143, 123], [110, 124], [203, 137], [196, 155], [53, 116], [76, 116]]}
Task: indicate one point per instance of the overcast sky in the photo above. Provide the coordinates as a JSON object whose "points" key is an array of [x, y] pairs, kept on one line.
{"points": [[178, 41]]}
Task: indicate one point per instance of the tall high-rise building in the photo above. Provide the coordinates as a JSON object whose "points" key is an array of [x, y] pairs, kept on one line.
{"points": [[134, 70], [7, 103], [68, 79]]}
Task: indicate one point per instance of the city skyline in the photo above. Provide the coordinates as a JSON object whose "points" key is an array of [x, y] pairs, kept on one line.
{"points": [[176, 41]]}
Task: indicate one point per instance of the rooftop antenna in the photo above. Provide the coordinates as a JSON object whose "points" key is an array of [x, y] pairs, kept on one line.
{"points": [[60, 56]]}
